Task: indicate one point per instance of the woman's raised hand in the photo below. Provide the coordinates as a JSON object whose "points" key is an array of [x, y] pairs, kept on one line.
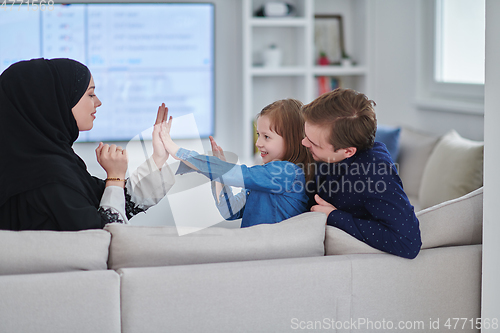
{"points": [[160, 154], [114, 161], [170, 146], [217, 150]]}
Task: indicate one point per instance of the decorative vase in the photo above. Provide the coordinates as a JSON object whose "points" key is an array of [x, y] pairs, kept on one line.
{"points": [[346, 62], [272, 56]]}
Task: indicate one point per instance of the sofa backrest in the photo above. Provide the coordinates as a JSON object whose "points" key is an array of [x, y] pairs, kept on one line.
{"points": [[28, 252], [138, 246], [454, 222]]}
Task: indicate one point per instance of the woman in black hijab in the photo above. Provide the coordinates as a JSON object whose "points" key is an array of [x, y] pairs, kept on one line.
{"points": [[44, 185]]}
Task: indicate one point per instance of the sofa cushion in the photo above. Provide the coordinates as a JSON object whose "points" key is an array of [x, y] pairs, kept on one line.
{"points": [[27, 252], [389, 136], [415, 148], [139, 246], [454, 222], [337, 241], [454, 168]]}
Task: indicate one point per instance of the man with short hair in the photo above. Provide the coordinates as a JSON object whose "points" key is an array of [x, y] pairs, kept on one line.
{"points": [[356, 183]]}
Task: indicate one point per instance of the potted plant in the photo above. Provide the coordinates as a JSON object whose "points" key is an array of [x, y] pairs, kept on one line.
{"points": [[346, 60], [323, 59]]}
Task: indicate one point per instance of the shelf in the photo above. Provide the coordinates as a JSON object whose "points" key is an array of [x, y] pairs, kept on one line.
{"points": [[278, 71], [316, 71], [278, 22], [295, 37], [338, 70]]}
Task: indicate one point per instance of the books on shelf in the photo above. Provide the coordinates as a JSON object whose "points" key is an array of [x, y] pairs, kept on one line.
{"points": [[326, 83]]}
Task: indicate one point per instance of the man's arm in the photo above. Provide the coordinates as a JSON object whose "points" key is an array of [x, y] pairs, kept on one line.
{"points": [[392, 226]]}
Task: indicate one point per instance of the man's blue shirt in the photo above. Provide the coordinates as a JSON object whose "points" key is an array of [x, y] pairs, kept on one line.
{"points": [[371, 203]]}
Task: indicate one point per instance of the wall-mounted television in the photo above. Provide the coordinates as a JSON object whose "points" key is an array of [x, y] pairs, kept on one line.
{"points": [[140, 55]]}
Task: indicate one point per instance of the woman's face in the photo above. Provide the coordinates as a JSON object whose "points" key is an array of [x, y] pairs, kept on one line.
{"points": [[84, 111]]}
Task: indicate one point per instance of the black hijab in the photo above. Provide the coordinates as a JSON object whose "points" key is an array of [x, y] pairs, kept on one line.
{"points": [[37, 128]]}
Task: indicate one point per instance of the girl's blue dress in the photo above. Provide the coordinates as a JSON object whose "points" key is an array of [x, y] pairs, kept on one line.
{"points": [[271, 192]]}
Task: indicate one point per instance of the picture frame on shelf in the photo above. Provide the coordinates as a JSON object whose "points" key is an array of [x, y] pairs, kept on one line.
{"points": [[329, 38]]}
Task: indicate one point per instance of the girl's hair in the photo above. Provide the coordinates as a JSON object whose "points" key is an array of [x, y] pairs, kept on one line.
{"points": [[287, 121]]}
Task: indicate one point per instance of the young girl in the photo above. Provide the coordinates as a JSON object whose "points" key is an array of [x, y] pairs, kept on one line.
{"points": [[271, 192]]}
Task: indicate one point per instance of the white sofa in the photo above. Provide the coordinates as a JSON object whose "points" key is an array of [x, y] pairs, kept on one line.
{"points": [[292, 276]]}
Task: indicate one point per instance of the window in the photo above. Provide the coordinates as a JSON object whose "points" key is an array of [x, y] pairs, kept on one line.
{"points": [[459, 50], [453, 45]]}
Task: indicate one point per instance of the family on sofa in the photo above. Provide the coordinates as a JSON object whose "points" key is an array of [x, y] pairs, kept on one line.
{"points": [[320, 157]]}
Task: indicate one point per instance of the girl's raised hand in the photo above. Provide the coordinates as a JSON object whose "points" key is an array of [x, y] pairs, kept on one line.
{"points": [[170, 146], [217, 150], [160, 154], [219, 153]]}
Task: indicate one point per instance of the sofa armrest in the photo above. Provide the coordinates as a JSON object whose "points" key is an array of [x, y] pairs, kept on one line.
{"points": [[76, 302], [439, 284]]}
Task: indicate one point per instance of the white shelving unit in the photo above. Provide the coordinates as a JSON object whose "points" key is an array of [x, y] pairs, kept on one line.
{"points": [[296, 78]]}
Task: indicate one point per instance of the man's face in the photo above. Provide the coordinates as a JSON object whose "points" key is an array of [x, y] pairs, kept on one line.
{"points": [[316, 141]]}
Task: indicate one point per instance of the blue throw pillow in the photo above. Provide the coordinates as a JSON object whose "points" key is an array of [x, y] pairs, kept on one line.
{"points": [[389, 136]]}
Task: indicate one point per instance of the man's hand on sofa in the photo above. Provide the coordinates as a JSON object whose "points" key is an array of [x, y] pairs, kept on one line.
{"points": [[322, 206]]}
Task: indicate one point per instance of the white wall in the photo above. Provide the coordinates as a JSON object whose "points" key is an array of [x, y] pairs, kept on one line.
{"points": [[392, 60], [395, 39], [491, 225]]}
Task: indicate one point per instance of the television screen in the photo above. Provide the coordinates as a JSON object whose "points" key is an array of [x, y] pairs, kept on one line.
{"points": [[140, 55]]}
